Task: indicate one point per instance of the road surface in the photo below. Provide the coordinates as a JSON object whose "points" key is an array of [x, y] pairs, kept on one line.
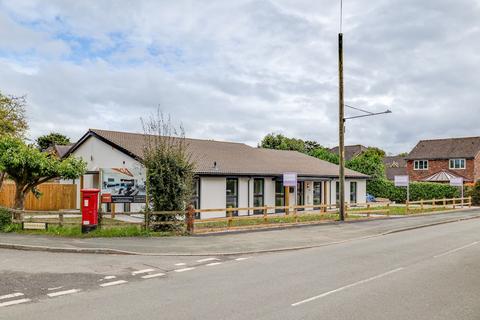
{"points": [[427, 273]]}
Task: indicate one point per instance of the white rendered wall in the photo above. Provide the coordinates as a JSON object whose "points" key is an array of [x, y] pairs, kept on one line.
{"points": [[213, 196]]}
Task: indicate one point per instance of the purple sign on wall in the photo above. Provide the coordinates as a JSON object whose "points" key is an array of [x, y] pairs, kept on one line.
{"points": [[290, 179]]}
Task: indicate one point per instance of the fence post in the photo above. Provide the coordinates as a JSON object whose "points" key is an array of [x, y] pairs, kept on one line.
{"points": [[190, 219], [229, 223], [147, 220], [453, 203], [406, 207], [265, 213], [444, 203], [368, 210], [470, 201], [388, 209], [346, 209], [421, 204], [295, 214], [60, 219]]}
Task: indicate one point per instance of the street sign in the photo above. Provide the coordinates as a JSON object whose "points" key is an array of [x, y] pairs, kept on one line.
{"points": [[290, 179], [401, 181], [457, 182]]}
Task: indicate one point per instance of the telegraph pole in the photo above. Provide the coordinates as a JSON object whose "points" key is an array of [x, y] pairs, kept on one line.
{"points": [[341, 131]]}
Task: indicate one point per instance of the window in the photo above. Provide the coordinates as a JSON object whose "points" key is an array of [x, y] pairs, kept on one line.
{"points": [[127, 207], [232, 194], [337, 192], [258, 194], [317, 193], [279, 196], [353, 192], [196, 196], [457, 163], [420, 165], [300, 194]]}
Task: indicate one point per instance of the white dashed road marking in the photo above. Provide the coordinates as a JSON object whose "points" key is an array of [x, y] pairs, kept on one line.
{"points": [[207, 259], [12, 295], [180, 264], [134, 273], [113, 283], [62, 293], [455, 250], [346, 287], [183, 270], [13, 302], [109, 277], [148, 276], [241, 259], [213, 264], [56, 288]]}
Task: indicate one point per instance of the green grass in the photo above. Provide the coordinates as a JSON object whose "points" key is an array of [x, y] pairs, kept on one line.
{"points": [[76, 231], [400, 210]]}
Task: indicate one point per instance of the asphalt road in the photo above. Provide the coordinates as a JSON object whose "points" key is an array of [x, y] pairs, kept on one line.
{"points": [[428, 273]]}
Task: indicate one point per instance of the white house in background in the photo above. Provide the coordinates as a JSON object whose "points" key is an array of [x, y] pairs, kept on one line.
{"points": [[228, 174]]}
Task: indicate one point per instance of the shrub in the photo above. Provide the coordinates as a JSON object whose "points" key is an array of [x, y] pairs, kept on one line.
{"points": [[5, 218], [418, 190], [474, 192]]}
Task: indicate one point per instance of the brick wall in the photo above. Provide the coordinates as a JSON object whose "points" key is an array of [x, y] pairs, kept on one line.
{"points": [[472, 170]]}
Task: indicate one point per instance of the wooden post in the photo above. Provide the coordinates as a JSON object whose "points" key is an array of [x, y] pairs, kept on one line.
{"points": [[406, 207], [434, 201], [444, 203], [265, 215], [60, 219], [421, 204], [147, 219], [190, 219], [229, 223], [341, 131], [295, 214], [368, 210], [112, 206], [287, 200], [470, 201], [388, 209], [453, 203]]}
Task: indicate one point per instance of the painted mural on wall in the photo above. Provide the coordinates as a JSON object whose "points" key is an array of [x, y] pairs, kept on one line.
{"points": [[123, 185]]}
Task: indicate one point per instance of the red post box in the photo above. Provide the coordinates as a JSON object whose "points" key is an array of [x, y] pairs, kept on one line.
{"points": [[89, 209]]}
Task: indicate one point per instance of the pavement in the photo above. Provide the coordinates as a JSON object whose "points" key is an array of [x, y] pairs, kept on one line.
{"points": [[232, 243], [422, 273]]}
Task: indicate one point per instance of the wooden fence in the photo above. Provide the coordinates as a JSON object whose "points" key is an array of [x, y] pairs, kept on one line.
{"points": [[54, 197]]}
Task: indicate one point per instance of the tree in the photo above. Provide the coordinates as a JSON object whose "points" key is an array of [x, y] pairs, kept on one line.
{"points": [[475, 193], [169, 169], [325, 154], [12, 120], [49, 140], [280, 142], [28, 167], [369, 162]]}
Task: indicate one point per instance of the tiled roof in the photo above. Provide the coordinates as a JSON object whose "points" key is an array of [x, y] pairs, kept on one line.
{"points": [[446, 148], [229, 157], [350, 151]]}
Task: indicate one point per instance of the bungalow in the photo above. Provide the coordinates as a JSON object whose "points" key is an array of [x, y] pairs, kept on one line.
{"points": [[228, 174]]}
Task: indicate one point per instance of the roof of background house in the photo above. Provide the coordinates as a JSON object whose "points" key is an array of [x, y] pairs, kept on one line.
{"points": [[59, 150], [395, 166], [350, 151], [446, 148], [230, 157]]}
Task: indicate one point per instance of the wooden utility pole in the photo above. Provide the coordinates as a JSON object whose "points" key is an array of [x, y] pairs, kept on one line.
{"points": [[341, 131]]}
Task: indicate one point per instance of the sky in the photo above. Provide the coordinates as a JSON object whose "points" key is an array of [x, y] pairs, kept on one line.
{"points": [[237, 70]]}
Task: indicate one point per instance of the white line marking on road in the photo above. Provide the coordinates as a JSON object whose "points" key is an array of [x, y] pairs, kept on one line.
{"points": [[62, 293], [148, 276], [12, 295], [346, 287], [109, 277], [113, 283], [183, 270], [241, 259], [207, 259], [180, 264], [13, 302], [213, 264], [56, 288], [455, 250], [134, 273]]}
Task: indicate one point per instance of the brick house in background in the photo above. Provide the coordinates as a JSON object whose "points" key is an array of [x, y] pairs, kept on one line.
{"points": [[441, 160]]}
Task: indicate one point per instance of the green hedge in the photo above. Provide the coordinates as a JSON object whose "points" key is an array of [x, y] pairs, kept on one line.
{"points": [[418, 191], [5, 218]]}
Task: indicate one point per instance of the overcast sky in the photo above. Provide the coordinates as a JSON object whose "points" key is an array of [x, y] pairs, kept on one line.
{"points": [[237, 70]]}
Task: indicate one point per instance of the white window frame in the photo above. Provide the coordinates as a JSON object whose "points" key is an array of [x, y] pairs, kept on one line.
{"points": [[454, 167], [416, 164]]}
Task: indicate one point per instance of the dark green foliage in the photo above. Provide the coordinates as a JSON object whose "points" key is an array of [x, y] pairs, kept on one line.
{"points": [[369, 162], [280, 142], [474, 192], [51, 139], [383, 188], [5, 218], [324, 154], [169, 171]]}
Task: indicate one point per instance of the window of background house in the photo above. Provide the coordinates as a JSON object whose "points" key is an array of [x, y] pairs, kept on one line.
{"points": [[232, 194], [457, 163], [258, 194], [420, 165], [317, 193], [300, 194], [353, 192]]}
